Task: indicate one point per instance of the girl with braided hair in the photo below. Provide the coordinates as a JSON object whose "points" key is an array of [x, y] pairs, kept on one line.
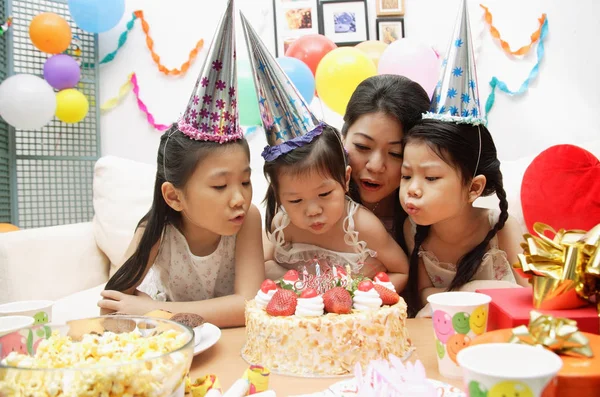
{"points": [[446, 167], [449, 161]]}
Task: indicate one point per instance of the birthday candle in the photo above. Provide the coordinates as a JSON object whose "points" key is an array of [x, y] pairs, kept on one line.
{"points": [[334, 272], [348, 274], [318, 269]]}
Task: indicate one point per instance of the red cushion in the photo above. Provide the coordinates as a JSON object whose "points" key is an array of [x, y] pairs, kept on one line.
{"points": [[561, 188]]}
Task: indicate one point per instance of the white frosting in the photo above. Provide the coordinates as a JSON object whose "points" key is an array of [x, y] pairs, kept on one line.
{"points": [[367, 300], [262, 299], [386, 284], [310, 307]]}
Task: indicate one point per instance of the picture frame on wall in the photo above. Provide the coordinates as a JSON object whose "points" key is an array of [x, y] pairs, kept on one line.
{"points": [[345, 22], [389, 8], [293, 19], [389, 29]]}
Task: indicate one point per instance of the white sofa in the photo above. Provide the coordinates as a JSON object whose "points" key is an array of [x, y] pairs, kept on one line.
{"points": [[71, 263]]}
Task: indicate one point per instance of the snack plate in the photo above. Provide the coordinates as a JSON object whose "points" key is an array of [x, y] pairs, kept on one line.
{"points": [[209, 336]]}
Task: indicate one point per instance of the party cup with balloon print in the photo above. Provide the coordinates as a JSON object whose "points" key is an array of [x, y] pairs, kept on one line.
{"points": [[508, 370], [457, 317]]}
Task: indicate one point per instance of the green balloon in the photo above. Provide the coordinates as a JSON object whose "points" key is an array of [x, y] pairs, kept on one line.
{"points": [[439, 347], [460, 322], [247, 99]]}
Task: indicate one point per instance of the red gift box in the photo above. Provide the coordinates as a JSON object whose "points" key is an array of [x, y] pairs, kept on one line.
{"points": [[510, 308]]}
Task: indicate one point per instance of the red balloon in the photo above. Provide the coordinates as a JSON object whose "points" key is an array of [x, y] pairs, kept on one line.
{"points": [[310, 49]]}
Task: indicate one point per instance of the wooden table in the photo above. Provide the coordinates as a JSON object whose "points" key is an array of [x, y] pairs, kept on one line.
{"points": [[225, 361]]}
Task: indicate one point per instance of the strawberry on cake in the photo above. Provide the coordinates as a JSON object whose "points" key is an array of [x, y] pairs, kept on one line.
{"points": [[324, 324]]}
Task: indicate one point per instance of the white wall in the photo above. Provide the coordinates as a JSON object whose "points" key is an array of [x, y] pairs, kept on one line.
{"points": [[560, 106]]}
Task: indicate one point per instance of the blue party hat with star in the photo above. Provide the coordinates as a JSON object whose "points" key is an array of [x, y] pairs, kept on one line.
{"points": [[286, 117], [456, 96]]}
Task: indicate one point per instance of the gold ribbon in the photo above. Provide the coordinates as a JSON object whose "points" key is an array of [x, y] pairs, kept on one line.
{"points": [[258, 377], [565, 269], [560, 335], [202, 385]]}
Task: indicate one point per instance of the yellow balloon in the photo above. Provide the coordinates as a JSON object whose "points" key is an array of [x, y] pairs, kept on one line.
{"points": [[373, 49], [338, 75], [71, 106]]}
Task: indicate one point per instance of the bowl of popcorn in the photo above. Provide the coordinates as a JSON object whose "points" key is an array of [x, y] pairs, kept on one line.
{"points": [[102, 356]]}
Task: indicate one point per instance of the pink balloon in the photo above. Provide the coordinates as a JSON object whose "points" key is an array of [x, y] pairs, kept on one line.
{"points": [[412, 59]]}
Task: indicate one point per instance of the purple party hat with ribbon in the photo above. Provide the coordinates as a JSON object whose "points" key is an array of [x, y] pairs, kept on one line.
{"points": [[286, 117], [456, 96], [211, 113]]}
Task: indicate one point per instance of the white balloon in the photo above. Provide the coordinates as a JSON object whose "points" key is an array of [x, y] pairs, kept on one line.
{"points": [[27, 102]]}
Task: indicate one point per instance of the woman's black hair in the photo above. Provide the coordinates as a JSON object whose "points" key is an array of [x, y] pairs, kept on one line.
{"points": [[459, 146], [178, 157], [395, 96], [324, 154]]}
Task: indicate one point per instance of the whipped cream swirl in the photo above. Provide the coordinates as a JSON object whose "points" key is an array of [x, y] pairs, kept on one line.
{"points": [[310, 307], [386, 284], [366, 300], [262, 299]]}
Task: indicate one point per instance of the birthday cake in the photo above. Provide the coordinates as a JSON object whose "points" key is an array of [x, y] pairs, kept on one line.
{"points": [[324, 325]]}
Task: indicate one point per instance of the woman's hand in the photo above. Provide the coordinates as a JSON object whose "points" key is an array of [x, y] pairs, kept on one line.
{"points": [[126, 304]]}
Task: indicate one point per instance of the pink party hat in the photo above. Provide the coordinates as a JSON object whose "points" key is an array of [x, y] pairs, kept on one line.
{"points": [[211, 113]]}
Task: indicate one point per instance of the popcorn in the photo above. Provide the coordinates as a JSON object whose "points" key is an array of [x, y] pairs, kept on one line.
{"points": [[111, 364]]}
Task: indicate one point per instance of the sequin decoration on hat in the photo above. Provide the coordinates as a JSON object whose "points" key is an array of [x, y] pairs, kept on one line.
{"points": [[211, 113], [456, 96], [286, 118]]}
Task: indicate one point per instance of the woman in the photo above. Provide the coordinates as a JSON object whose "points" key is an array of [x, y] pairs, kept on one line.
{"points": [[380, 111]]}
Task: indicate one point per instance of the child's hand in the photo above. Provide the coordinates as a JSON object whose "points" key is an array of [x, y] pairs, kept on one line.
{"points": [[126, 304]]}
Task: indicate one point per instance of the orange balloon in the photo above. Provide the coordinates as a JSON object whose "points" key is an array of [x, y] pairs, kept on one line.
{"points": [[7, 227], [50, 33], [373, 49]]}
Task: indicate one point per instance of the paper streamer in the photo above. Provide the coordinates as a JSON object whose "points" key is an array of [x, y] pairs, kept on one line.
{"points": [[123, 91], [495, 83], [122, 40], [150, 43], [535, 36], [142, 106]]}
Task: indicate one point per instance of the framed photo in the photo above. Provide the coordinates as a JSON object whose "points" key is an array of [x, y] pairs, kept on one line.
{"points": [[344, 21], [389, 29], [389, 8], [293, 19]]}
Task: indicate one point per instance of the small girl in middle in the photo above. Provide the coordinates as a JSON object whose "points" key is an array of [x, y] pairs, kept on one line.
{"points": [[308, 214]]}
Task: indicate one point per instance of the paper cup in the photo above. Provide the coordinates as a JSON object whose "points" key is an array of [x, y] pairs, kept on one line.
{"points": [[10, 324], [458, 317], [507, 369], [41, 310]]}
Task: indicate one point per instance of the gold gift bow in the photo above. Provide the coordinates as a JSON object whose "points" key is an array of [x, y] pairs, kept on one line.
{"points": [[560, 335], [571, 261]]}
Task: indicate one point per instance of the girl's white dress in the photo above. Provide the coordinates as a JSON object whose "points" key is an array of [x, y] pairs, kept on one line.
{"points": [[177, 275], [291, 255], [494, 264]]}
